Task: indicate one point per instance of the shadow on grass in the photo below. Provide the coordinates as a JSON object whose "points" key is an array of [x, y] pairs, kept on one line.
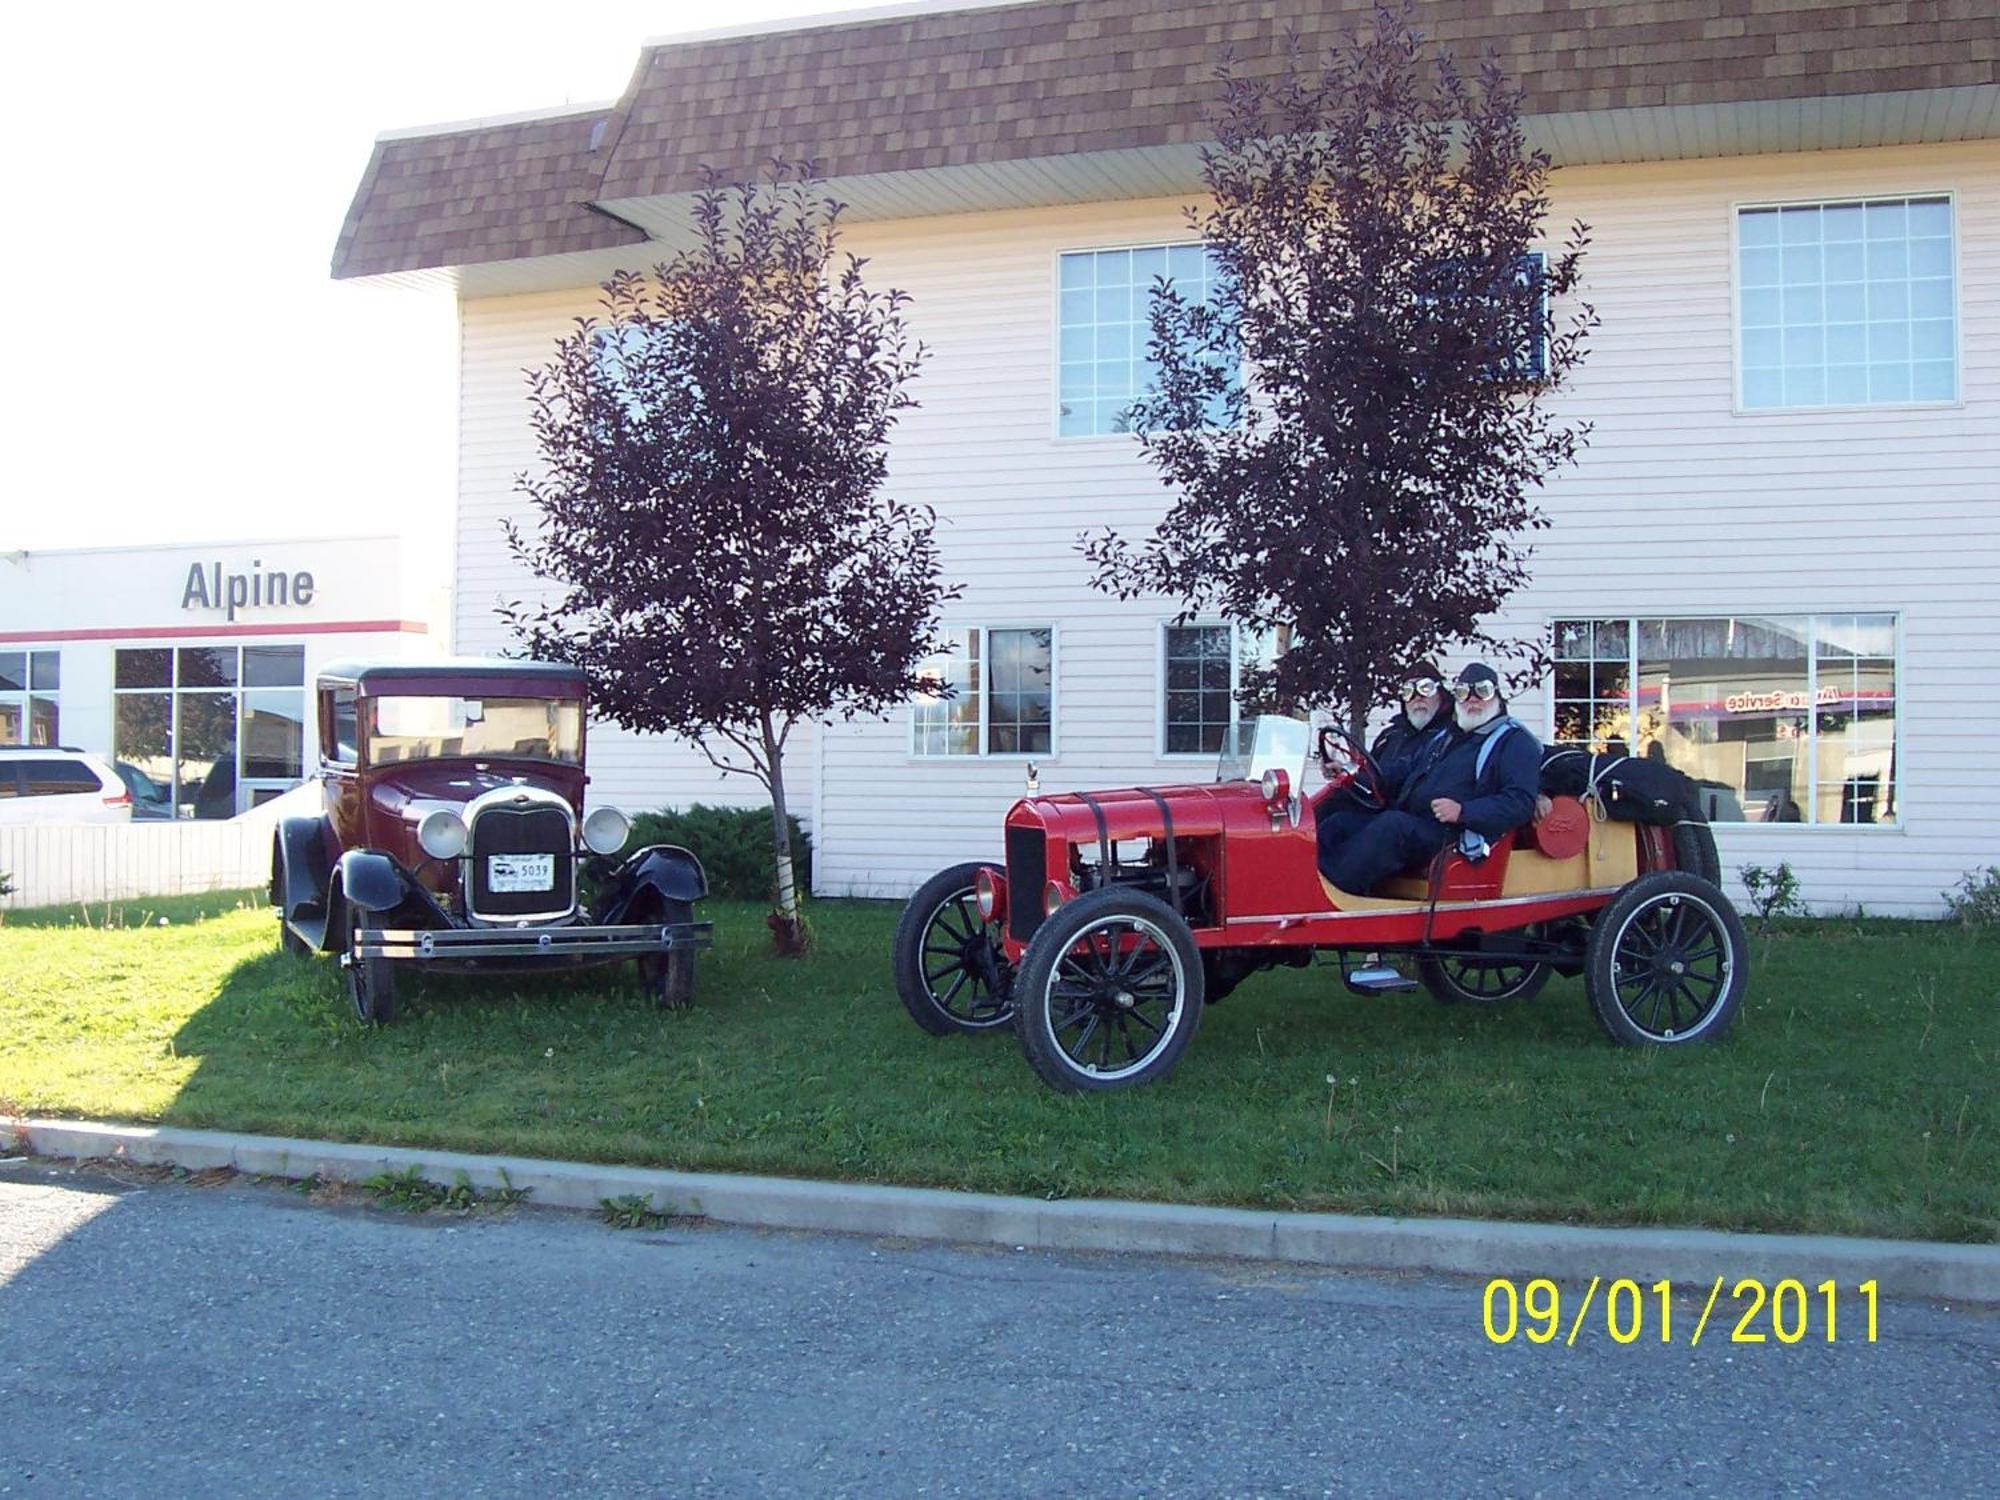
{"points": [[1853, 1097]]}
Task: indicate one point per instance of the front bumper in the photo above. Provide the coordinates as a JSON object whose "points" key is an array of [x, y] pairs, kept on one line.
{"points": [[569, 944]]}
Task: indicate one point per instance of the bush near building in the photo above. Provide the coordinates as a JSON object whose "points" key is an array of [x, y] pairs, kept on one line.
{"points": [[732, 843]]}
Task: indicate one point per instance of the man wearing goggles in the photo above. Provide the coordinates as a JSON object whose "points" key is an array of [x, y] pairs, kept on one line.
{"points": [[1472, 786], [1422, 695]]}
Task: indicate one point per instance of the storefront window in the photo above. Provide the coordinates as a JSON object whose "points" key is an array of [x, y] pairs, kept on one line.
{"points": [[213, 728], [1778, 719], [30, 682]]}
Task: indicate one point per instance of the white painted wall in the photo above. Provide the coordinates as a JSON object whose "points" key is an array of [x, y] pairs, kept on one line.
{"points": [[1681, 506]]}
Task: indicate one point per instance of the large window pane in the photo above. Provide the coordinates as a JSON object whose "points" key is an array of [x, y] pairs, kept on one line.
{"points": [[1856, 719], [205, 755], [13, 671], [206, 666], [45, 671], [1019, 719], [274, 727], [1847, 303], [144, 738], [44, 722], [1727, 702]]}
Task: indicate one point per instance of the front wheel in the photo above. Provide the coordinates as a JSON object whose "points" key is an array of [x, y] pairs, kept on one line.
{"points": [[951, 972], [371, 982], [1109, 994], [1667, 963]]}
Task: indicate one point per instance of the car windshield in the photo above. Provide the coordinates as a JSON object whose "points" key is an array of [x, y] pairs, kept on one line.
{"points": [[403, 729], [1269, 742]]}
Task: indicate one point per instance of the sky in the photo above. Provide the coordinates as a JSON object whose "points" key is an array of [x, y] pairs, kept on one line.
{"points": [[179, 364]]}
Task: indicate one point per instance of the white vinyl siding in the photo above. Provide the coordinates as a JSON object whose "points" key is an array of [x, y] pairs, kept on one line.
{"points": [[1681, 506]]}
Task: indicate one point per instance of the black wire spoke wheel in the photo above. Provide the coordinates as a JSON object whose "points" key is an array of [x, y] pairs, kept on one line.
{"points": [[951, 971], [371, 982], [1110, 992], [1463, 980], [1668, 962]]}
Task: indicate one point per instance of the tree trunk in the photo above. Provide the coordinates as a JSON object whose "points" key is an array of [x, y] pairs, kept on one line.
{"points": [[1357, 718], [788, 929]]}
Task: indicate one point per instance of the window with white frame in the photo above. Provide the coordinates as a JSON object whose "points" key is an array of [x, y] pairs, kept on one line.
{"points": [[208, 731], [995, 695], [1847, 304], [1201, 670], [1779, 719], [30, 697], [1105, 326]]}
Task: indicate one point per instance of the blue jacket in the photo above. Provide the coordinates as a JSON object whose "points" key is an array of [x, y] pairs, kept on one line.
{"points": [[1445, 763]]}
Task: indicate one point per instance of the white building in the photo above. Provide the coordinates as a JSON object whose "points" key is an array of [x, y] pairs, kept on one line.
{"points": [[189, 664], [1778, 559]]}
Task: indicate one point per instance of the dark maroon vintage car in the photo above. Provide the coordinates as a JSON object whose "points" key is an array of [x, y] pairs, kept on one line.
{"points": [[454, 837]]}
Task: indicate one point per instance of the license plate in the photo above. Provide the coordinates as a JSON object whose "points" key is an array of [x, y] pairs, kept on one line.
{"points": [[506, 873]]}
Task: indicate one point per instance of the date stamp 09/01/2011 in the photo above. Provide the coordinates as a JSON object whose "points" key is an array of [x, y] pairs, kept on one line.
{"points": [[1750, 1312]]}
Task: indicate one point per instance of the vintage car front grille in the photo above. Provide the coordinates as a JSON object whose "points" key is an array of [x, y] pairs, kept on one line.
{"points": [[1027, 873], [534, 829]]}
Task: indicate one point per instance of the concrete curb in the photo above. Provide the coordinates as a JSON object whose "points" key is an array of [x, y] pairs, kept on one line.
{"points": [[1467, 1247]]}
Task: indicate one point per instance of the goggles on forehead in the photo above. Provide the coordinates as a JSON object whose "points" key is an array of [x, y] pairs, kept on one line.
{"points": [[1420, 687], [1485, 692]]}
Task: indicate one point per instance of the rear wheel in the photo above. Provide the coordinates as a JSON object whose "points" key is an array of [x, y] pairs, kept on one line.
{"points": [[1668, 962], [951, 972], [1695, 852], [371, 982], [1109, 994], [1453, 980]]}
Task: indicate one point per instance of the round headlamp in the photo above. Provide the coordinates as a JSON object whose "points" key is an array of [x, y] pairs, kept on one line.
{"points": [[990, 893], [442, 834], [605, 830]]}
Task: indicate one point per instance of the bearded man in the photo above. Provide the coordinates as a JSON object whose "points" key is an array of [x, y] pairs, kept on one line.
{"points": [[1475, 786], [1424, 704]]}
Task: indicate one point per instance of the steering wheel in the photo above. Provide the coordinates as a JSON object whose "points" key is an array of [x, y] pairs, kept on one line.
{"points": [[1364, 782]]}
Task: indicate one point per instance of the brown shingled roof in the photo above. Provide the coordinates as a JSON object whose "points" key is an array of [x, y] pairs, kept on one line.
{"points": [[495, 192], [1014, 82]]}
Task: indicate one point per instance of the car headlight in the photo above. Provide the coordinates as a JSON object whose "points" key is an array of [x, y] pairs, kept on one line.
{"points": [[605, 831], [442, 834]]}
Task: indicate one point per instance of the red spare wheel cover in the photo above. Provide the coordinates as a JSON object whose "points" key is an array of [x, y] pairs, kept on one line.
{"points": [[1565, 832]]}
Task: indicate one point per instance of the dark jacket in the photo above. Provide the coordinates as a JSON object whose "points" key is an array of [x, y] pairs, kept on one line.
{"points": [[1446, 764], [1401, 734]]}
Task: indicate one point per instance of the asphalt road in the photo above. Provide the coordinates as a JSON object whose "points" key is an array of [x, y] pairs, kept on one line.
{"points": [[159, 1339]]}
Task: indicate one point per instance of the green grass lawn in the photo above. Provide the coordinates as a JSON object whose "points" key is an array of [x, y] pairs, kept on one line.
{"points": [[1856, 1095]]}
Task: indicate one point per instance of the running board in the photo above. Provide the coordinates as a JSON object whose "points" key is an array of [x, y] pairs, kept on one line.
{"points": [[1377, 979]]}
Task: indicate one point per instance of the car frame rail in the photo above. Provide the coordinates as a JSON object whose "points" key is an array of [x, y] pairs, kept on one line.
{"points": [[422, 944]]}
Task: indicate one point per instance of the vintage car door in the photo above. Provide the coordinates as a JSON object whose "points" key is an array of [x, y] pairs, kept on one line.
{"points": [[339, 765]]}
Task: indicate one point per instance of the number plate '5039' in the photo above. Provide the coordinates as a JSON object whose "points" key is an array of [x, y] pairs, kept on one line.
{"points": [[520, 872]]}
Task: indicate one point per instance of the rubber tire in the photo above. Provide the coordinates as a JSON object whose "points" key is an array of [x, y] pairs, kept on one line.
{"points": [[1447, 991], [371, 982], [1695, 852], [668, 978], [288, 940], [906, 954], [1054, 939], [1601, 958]]}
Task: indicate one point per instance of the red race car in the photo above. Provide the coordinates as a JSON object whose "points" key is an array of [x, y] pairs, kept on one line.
{"points": [[1119, 914]]}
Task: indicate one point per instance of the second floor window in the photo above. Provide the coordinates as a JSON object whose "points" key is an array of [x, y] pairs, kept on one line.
{"points": [[1847, 304], [1105, 323]]}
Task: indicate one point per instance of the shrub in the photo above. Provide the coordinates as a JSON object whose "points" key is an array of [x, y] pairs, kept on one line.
{"points": [[1975, 900], [1774, 893], [6, 885], [732, 843]]}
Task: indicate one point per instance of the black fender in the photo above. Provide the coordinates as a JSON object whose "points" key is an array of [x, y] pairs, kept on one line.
{"points": [[663, 870], [299, 871], [371, 881]]}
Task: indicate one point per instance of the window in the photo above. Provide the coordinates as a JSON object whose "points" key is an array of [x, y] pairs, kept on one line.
{"points": [[57, 778], [1780, 719], [212, 727], [1001, 698], [1847, 304], [30, 682], [1524, 311], [1200, 699], [1105, 324]]}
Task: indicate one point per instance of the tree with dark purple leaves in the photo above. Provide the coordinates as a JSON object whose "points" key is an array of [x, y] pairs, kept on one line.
{"points": [[1353, 421], [723, 560]]}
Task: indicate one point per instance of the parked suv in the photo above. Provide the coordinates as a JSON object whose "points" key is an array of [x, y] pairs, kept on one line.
{"points": [[59, 784]]}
